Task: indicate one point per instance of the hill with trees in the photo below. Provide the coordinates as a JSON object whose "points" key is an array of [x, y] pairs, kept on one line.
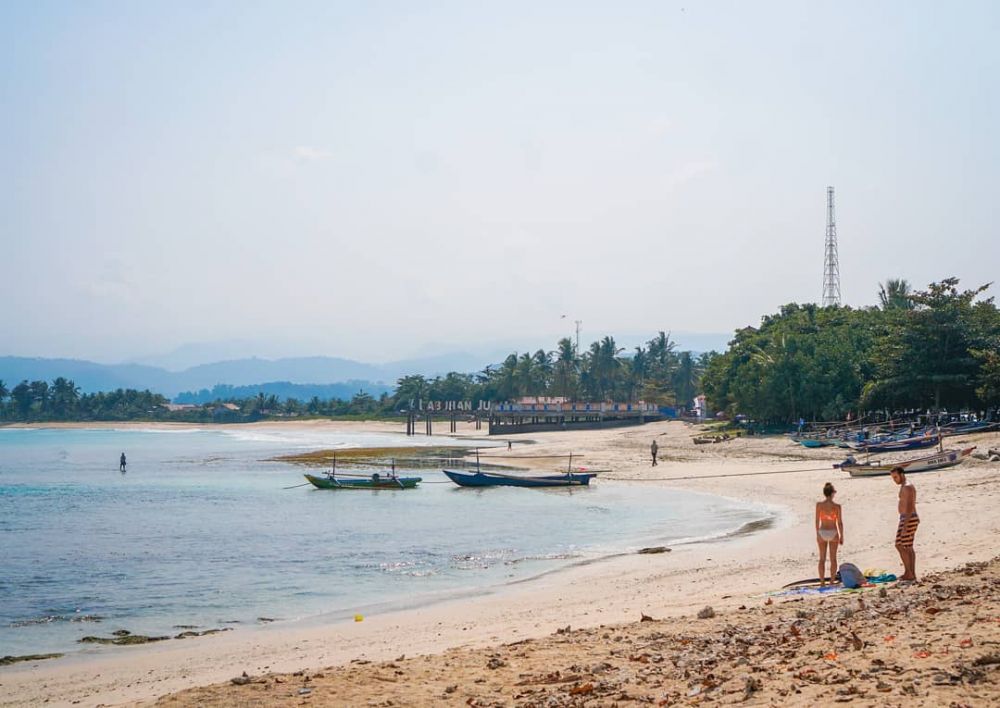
{"points": [[935, 349]]}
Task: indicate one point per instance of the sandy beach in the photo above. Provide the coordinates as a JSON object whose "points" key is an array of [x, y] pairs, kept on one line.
{"points": [[451, 646]]}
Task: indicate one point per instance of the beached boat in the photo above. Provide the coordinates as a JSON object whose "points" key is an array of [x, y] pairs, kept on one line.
{"points": [[940, 460], [374, 482], [969, 428], [813, 442], [915, 443], [713, 439], [493, 479]]}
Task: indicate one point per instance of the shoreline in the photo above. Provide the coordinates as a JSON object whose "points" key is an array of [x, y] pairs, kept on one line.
{"points": [[723, 574], [552, 566]]}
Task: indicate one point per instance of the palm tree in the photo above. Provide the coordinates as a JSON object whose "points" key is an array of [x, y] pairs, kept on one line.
{"points": [[895, 295], [661, 356], [507, 379], [602, 368], [40, 395], [21, 396], [542, 372], [525, 375], [637, 368], [64, 398], [566, 369], [686, 379]]}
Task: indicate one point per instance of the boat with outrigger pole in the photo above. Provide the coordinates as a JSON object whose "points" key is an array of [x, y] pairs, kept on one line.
{"points": [[569, 478], [331, 480], [940, 460]]}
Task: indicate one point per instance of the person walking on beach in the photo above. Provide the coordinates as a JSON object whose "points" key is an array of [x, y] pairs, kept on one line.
{"points": [[653, 449], [121, 463], [829, 532], [908, 522]]}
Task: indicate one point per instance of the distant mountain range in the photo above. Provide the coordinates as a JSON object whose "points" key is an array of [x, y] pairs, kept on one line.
{"points": [[319, 370], [284, 390]]}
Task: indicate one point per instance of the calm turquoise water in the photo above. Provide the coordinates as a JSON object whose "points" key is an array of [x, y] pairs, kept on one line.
{"points": [[200, 532]]}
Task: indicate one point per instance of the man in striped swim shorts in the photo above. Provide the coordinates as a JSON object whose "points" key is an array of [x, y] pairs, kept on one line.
{"points": [[908, 522]]}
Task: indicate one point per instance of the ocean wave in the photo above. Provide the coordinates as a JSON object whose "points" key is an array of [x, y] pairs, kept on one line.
{"points": [[481, 560], [49, 619], [156, 431], [544, 557]]}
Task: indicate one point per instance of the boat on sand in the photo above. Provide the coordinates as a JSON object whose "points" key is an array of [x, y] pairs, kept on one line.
{"points": [[937, 461]]}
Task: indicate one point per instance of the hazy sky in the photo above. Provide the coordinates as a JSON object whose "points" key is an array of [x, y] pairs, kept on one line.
{"points": [[373, 179]]}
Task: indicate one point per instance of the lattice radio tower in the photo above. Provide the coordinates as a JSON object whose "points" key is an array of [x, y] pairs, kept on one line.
{"points": [[831, 261]]}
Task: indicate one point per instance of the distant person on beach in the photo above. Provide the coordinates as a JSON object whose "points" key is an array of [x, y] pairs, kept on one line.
{"points": [[908, 522], [508, 445], [653, 449], [121, 463], [829, 532]]}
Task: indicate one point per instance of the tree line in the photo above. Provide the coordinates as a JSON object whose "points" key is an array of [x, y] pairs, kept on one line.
{"points": [[936, 349], [61, 400], [655, 372]]}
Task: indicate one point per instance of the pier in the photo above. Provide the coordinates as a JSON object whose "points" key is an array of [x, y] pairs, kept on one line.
{"points": [[532, 416], [512, 418]]}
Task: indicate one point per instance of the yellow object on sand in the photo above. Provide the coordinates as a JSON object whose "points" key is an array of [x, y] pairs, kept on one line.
{"points": [[358, 618]]}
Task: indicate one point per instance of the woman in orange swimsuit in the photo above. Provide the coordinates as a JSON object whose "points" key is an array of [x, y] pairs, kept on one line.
{"points": [[829, 532]]}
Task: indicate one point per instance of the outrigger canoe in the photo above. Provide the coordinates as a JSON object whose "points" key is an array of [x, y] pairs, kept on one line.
{"points": [[914, 443], [373, 482], [492, 479], [941, 460]]}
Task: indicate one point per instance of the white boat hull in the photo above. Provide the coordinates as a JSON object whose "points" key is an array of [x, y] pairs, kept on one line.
{"points": [[941, 460]]}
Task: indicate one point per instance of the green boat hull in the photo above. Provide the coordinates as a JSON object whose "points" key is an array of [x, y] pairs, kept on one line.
{"points": [[326, 482]]}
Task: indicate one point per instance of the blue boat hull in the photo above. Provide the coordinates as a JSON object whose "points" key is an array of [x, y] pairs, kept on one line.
{"points": [[900, 445], [486, 479], [327, 482]]}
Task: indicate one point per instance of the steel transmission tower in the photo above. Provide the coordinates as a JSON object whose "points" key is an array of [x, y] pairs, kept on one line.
{"points": [[831, 261]]}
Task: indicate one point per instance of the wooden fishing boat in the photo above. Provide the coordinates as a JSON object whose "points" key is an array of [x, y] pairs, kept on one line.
{"points": [[937, 461], [376, 481], [813, 442], [915, 443], [494, 479], [969, 428]]}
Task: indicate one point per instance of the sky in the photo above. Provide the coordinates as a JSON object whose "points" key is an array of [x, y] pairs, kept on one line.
{"points": [[379, 180]]}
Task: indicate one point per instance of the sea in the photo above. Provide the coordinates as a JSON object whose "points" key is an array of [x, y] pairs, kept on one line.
{"points": [[206, 531]]}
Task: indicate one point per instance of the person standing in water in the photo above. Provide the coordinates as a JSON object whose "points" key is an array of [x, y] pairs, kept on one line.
{"points": [[829, 532], [653, 449], [121, 463], [908, 522]]}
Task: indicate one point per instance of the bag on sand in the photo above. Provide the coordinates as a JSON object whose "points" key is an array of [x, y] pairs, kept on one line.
{"points": [[851, 576]]}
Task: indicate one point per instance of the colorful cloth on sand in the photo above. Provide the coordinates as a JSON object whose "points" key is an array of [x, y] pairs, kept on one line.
{"points": [[871, 581]]}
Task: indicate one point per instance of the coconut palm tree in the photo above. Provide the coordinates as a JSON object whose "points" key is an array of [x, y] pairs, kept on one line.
{"points": [[507, 379], [662, 358], [65, 396], [566, 369], [685, 379], [895, 295]]}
